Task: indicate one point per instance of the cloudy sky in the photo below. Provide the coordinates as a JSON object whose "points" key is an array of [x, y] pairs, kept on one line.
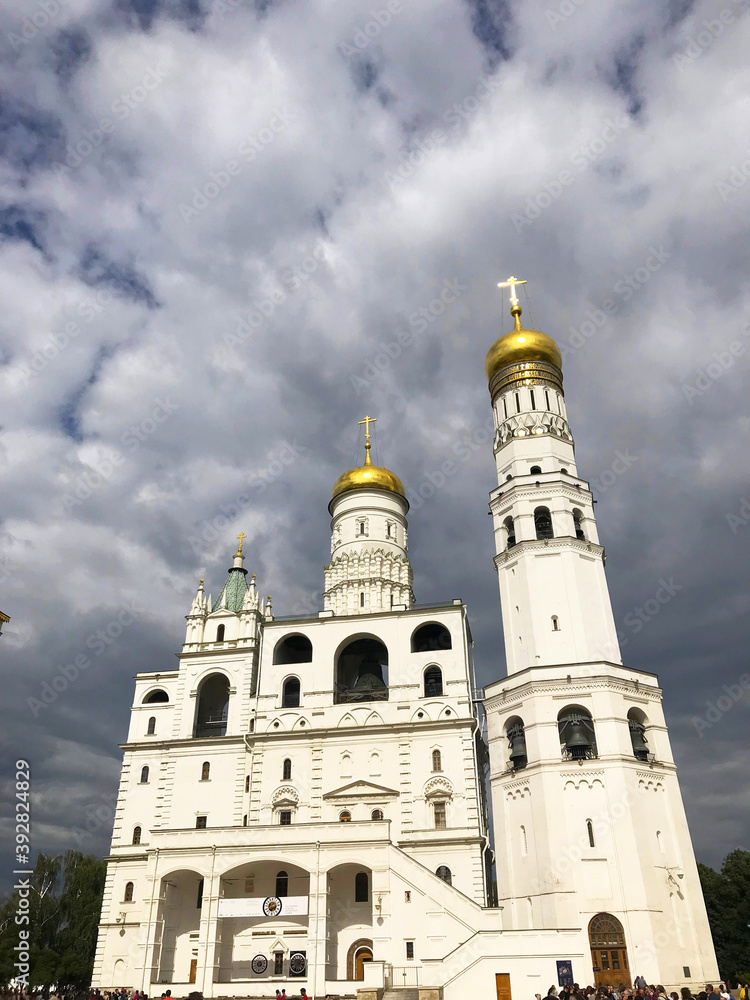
{"points": [[224, 231]]}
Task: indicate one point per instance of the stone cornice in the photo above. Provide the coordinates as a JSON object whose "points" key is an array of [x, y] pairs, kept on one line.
{"points": [[525, 491], [558, 543]]}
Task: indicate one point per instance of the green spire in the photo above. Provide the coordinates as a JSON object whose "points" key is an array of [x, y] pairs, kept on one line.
{"points": [[233, 593]]}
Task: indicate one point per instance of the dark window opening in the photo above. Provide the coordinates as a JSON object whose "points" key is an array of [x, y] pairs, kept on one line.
{"points": [[430, 638], [244, 820], [213, 707], [200, 822], [282, 884], [361, 888], [220, 633], [637, 728], [433, 682], [287, 770], [590, 832], [278, 962], [205, 771], [345, 816], [293, 649], [517, 743], [247, 782], [377, 814], [535, 470], [518, 403], [437, 760], [362, 672], [144, 775], [577, 524], [362, 600], [151, 726], [410, 951], [555, 623], [128, 897], [285, 819], [576, 729], [510, 531], [445, 874], [533, 401], [543, 523], [137, 835], [156, 696], [440, 816], [290, 698], [199, 899]]}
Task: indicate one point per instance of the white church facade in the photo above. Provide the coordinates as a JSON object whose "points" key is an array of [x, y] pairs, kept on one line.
{"points": [[305, 801]]}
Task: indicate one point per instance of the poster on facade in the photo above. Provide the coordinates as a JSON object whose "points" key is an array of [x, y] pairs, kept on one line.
{"points": [[298, 963], [565, 973], [270, 906]]}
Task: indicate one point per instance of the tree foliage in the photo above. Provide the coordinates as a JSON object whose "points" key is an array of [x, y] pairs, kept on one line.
{"points": [[65, 901], [727, 895]]}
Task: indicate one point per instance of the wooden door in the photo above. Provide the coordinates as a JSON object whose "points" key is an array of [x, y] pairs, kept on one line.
{"points": [[363, 955], [193, 970], [609, 953], [502, 985]]}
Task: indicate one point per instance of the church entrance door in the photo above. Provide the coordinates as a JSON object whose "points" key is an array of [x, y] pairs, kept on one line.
{"points": [[362, 956], [609, 953], [193, 970], [502, 985]]}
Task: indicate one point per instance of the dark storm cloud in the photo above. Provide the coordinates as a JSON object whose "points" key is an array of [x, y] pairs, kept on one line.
{"points": [[251, 258]]}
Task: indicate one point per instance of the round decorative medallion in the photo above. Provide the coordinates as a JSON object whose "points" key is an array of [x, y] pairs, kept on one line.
{"points": [[259, 964], [297, 963], [272, 906]]}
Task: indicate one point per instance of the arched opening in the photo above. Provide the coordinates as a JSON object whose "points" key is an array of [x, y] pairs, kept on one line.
{"points": [[205, 771], [220, 633], [437, 760], [290, 696], [637, 728], [430, 637], [151, 728], [555, 623], [377, 814], [345, 816], [293, 648], [358, 955], [433, 682], [362, 599], [247, 782], [516, 733], [524, 841], [144, 775], [535, 470], [590, 832], [361, 887], [213, 707], [577, 735], [609, 953], [445, 874], [282, 884], [578, 523], [136, 835], [543, 523], [510, 532], [155, 696], [128, 897], [286, 770], [362, 671]]}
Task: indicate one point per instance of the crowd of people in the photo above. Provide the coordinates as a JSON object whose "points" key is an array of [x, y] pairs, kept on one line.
{"points": [[642, 991]]}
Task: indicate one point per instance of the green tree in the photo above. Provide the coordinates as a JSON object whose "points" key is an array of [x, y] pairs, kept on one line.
{"points": [[727, 896]]}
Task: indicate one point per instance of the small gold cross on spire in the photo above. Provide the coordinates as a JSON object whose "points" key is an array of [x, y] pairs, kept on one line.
{"points": [[515, 308], [367, 421], [240, 536]]}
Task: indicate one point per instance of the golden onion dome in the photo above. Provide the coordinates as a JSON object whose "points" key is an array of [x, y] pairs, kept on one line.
{"points": [[521, 345], [368, 476]]}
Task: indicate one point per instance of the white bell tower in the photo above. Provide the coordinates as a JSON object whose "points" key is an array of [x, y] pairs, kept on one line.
{"points": [[590, 827]]}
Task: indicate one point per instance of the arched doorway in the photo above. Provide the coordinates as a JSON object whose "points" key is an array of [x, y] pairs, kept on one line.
{"points": [[359, 953], [609, 953]]}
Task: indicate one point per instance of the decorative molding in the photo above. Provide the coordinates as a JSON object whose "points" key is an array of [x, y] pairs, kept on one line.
{"points": [[437, 786]]}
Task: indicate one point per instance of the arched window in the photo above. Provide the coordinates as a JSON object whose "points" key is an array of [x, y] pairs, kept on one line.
{"points": [[516, 734], [510, 532], [247, 782], [660, 841], [220, 633], [345, 816], [362, 671], [433, 682], [362, 599], [136, 835], [590, 832], [128, 897], [213, 707], [577, 523], [524, 842], [293, 649], [290, 698], [282, 884], [144, 775], [377, 814], [151, 728], [361, 888], [555, 623], [155, 696], [437, 760], [205, 771], [576, 729], [286, 770], [535, 470], [543, 523], [244, 820], [445, 874], [361, 527], [430, 637], [637, 728]]}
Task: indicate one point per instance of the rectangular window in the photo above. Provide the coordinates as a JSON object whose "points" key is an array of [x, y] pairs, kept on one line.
{"points": [[440, 823], [278, 963], [199, 902], [605, 960], [533, 403], [615, 959], [410, 951], [285, 817], [505, 408], [200, 822], [249, 883], [518, 403], [546, 397], [407, 896]]}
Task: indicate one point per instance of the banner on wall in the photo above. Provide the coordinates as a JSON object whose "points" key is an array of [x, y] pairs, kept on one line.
{"points": [[271, 906]]}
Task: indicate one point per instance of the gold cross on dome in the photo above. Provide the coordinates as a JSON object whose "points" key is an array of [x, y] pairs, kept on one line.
{"points": [[367, 421], [240, 536], [511, 283]]}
